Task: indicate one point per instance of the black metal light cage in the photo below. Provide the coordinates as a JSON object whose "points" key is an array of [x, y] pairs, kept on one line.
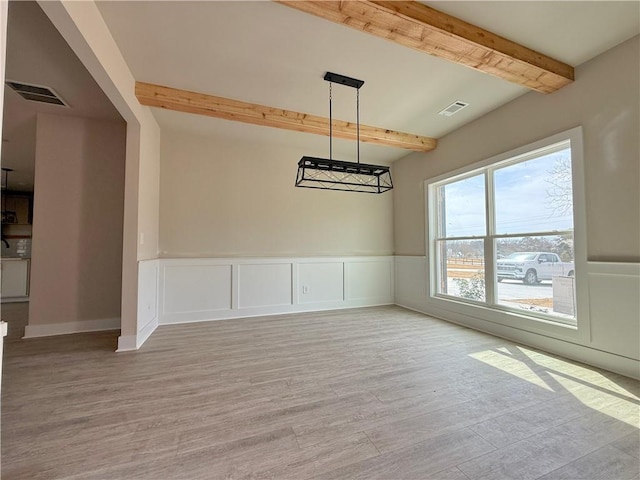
{"points": [[330, 174]]}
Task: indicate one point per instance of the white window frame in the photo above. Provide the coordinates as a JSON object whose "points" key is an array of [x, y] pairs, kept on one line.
{"points": [[542, 324]]}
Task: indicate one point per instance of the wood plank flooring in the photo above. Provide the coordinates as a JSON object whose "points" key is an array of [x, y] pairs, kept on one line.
{"points": [[375, 393]]}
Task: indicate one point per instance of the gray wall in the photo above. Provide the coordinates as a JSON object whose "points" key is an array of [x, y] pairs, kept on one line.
{"points": [[76, 268], [224, 197], [604, 99]]}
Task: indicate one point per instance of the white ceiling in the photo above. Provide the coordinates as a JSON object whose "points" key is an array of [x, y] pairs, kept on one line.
{"points": [[267, 53]]}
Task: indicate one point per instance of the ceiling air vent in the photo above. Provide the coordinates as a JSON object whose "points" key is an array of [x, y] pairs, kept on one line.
{"points": [[455, 107], [37, 93]]}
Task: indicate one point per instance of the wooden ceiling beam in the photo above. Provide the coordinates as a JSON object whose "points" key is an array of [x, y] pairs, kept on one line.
{"points": [[202, 104], [415, 25]]}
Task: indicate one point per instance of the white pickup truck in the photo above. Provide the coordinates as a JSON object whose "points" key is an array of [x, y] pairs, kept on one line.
{"points": [[533, 267]]}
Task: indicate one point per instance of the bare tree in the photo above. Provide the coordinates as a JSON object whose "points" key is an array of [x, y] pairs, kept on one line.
{"points": [[560, 192]]}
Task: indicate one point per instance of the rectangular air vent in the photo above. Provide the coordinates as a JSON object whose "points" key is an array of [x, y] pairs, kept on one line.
{"points": [[455, 107], [37, 93]]}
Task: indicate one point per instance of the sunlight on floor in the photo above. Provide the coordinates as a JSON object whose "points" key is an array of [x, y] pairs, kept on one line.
{"points": [[590, 387], [582, 372], [511, 365], [625, 410]]}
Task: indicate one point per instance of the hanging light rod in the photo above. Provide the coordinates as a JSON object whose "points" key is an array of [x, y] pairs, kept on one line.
{"points": [[330, 174]]}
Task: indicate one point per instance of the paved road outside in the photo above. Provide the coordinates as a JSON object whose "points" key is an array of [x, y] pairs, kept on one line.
{"points": [[510, 290]]}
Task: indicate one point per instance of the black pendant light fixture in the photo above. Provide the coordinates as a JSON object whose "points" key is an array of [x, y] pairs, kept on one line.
{"points": [[330, 174]]}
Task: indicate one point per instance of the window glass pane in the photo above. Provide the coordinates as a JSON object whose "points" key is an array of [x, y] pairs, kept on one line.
{"points": [[461, 268], [537, 274], [462, 208], [535, 195]]}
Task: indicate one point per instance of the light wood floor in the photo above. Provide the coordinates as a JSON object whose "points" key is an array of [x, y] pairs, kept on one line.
{"points": [[377, 393]]}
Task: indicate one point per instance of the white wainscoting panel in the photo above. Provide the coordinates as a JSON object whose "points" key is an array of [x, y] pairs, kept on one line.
{"points": [[147, 293], [614, 305], [201, 289], [320, 282], [265, 285], [147, 321], [368, 280], [196, 288], [411, 280]]}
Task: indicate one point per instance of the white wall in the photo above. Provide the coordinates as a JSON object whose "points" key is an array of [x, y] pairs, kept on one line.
{"points": [[82, 26], [605, 101], [222, 197], [76, 267]]}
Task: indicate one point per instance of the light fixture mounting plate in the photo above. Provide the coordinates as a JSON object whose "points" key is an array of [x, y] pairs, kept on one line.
{"points": [[343, 80]]}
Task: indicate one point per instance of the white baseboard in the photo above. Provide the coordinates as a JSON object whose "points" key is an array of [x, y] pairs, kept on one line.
{"points": [[127, 343], [36, 331], [130, 343], [266, 312], [146, 332]]}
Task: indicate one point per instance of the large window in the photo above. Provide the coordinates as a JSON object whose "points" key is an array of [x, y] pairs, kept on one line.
{"points": [[503, 235]]}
